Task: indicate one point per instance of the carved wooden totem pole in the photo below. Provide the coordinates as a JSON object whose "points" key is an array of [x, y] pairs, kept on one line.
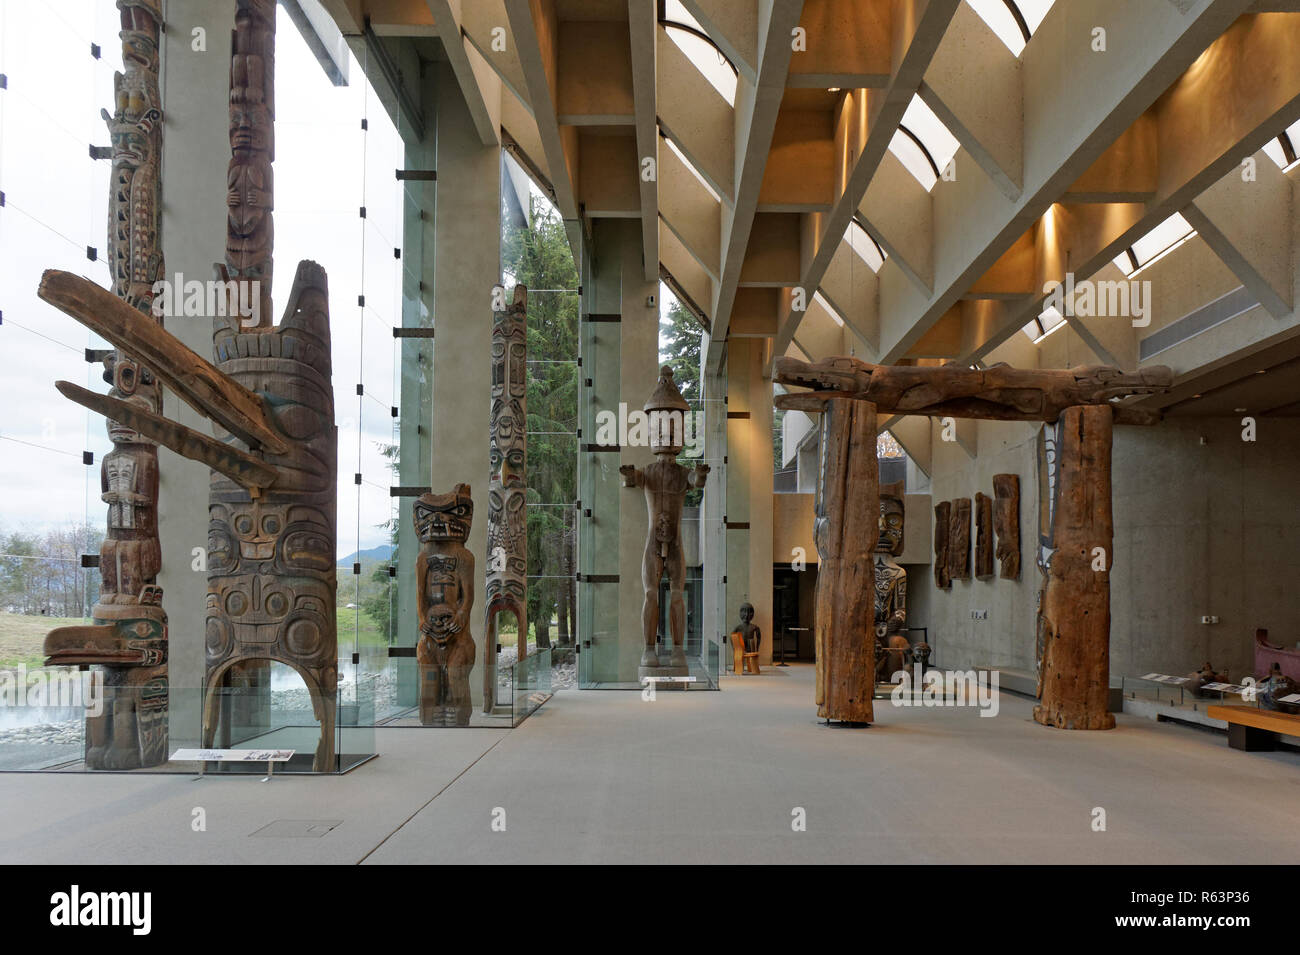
{"points": [[128, 639], [507, 531], [1076, 606], [1006, 522], [665, 483], [271, 537], [893, 648], [444, 572]]}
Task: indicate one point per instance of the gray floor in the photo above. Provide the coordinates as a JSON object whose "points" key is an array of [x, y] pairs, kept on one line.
{"points": [[600, 776]]}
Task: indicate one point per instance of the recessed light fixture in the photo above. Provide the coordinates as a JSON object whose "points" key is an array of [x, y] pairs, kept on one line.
{"points": [[1196, 396], [832, 89], [1238, 410], [1261, 371]]}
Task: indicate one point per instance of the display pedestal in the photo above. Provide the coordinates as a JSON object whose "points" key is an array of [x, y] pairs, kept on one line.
{"points": [[642, 673]]}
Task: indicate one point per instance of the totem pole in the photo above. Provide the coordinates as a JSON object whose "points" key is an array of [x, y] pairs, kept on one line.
{"points": [[128, 640], [665, 483], [444, 572], [271, 534], [507, 532], [893, 651]]}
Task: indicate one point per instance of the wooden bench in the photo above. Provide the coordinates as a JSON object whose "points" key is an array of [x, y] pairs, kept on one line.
{"points": [[1254, 730], [744, 661]]}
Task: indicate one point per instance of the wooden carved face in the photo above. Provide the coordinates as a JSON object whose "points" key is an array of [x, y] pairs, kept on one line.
{"points": [[134, 384], [444, 517], [891, 519]]}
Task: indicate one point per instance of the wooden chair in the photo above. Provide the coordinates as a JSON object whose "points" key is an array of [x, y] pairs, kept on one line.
{"points": [[743, 660]]}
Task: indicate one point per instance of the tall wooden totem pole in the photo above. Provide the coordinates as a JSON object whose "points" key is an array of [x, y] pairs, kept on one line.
{"points": [[128, 640], [507, 531], [272, 500]]}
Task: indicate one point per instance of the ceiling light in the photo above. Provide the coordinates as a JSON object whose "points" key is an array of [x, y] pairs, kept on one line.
{"points": [[832, 89], [1238, 410]]}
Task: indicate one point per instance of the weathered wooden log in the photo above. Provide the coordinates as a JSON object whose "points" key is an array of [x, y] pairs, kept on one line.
{"points": [[942, 518], [1006, 522], [846, 530], [983, 536], [997, 393], [1076, 605], [959, 540]]}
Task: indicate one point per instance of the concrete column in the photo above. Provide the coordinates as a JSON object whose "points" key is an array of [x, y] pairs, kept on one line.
{"points": [[713, 532], [749, 487], [419, 204], [467, 238], [639, 372], [196, 150], [598, 461]]}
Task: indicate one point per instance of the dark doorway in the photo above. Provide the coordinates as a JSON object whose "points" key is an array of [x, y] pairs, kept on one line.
{"points": [[792, 612]]}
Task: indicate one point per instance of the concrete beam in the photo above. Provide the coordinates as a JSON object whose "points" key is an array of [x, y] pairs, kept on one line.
{"points": [[643, 39], [1077, 103], [478, 83], [868, 121], [593, 78], [485, 26], [757, 106], [534, 27], [695, 116], [733, 25], [1249, 225], [974, 87], [692, 214], [899, 214]]}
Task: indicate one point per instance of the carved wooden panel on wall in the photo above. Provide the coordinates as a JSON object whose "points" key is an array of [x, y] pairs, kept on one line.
{"points": [[959, 540], [983, 536], [942, 520], [1006, 522]]}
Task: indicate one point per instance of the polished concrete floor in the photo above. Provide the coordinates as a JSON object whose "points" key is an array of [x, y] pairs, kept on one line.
{"points": [[603, 776]]}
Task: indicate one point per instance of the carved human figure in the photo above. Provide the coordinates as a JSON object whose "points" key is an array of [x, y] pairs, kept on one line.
{"points": [[892, 648], [444, 573], [750, 634], [665, 483], [127, 640]]}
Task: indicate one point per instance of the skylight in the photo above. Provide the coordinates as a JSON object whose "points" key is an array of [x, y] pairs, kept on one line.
{"points": [[865, 246], [1048, 321], [686, 32], [1014, 21], [923, 144], [1157, 243], [1285, 149]]}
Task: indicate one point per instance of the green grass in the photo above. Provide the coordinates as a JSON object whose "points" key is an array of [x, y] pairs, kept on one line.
{"points": [[22, 637]]}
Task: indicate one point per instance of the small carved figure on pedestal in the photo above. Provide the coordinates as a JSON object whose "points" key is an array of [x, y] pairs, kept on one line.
{"points": [[445, 596], [745, 640], [665, 483]]}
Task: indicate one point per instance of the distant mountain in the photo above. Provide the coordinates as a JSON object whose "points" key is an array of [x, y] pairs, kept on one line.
{"points": [[382, 552]]}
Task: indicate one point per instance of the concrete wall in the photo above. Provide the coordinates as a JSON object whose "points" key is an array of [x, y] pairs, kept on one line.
{"points": [[1200, 529]]}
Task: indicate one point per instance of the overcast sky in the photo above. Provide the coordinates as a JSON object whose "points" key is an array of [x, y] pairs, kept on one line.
{"points": [[56, 201]]}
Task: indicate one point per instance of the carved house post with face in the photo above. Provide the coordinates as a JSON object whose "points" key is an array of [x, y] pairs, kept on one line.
{"points": [[846, 530], [983, 536], [1076, 604], [507, 531], [942, 519]]}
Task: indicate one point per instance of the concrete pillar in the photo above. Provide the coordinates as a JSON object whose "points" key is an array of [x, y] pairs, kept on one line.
{"points": [[749, 487], [598, 460], [467, 264], [713, 531], [639, 371], [196, 149]]}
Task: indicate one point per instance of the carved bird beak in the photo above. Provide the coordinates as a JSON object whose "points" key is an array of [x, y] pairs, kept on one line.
{"points": [[196, 380]]}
